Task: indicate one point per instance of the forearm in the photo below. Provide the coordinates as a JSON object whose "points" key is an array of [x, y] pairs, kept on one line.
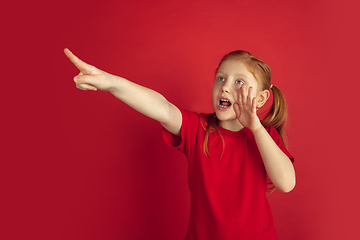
{"points": [[144, 100], [278, 166], [148, 102]]}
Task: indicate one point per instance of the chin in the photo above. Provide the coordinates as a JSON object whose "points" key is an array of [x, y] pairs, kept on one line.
{"points": [[225, 116]]}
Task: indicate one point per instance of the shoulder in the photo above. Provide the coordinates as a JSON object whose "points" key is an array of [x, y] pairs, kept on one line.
{"points": [[277, 139], [194, 118], [272, 131], [274, 134], [192, 129]]}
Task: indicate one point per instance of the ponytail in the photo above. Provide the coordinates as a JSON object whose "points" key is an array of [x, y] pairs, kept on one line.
{"points": [[210, 124], [277, 114]]}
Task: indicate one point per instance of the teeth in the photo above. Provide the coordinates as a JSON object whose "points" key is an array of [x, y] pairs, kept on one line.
{"points": [[223, 100]]}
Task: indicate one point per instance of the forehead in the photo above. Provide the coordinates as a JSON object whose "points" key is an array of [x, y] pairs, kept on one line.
{"points": [[235, 67]]}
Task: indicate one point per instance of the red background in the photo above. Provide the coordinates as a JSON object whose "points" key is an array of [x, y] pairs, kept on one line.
{"points": [[83, 165]]}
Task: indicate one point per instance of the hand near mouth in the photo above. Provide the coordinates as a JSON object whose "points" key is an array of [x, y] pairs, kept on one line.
{"points": [[245, 109]]}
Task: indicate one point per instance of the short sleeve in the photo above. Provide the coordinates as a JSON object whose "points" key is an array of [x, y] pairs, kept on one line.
{"points": [[189, 129], [277, 139]]}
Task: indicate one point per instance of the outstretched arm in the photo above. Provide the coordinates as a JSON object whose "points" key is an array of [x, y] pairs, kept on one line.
{"points": [[142, 99], [278, 166]]}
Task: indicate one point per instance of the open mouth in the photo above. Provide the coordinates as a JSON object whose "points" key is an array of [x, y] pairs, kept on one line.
{"points": [[224, 103]]}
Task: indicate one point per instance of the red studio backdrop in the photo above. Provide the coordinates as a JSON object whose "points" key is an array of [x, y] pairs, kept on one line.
{"points": [[83, 165]]}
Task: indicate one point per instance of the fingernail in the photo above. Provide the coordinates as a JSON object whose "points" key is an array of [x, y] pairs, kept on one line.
{"points": [[76, 79]]}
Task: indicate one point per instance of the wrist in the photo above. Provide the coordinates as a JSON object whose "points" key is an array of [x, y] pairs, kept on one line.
{"points": [[115, 84], [257, 129]]}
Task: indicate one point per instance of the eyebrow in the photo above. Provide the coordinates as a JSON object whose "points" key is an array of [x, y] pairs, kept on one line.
{"points": [[238, 74]]}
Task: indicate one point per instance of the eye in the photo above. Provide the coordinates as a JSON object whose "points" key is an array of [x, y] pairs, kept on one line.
{"points": [[221, 79], [239, 82]]}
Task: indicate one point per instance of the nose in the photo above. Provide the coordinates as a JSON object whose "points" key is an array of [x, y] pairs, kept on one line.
{"points": [[225, 88]]}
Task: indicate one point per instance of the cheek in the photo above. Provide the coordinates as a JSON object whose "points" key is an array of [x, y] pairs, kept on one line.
{"points": [[214, 95], [213, 99], [214, 90]]}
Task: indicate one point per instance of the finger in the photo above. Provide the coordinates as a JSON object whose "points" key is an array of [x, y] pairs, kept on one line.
{"points": [[237, 110], [250, 96], [252, 100], [82, 66], [253, 106], [85, 87], [85, 82], [250, 90], [243, 95], [85, 79], [239, 97]]}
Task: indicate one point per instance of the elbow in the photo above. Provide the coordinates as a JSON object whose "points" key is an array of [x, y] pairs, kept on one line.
{"points": [[288, 186], [286, 181]]}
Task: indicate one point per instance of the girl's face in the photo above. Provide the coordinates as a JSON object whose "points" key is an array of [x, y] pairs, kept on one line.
{"points": [[231, 75]]}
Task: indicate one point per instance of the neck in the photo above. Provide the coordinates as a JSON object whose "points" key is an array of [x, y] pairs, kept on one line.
{"points": [[231, 125]]}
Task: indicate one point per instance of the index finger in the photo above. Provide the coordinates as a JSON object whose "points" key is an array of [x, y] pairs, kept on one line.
{"points": [[250, 92], [75, 60]]}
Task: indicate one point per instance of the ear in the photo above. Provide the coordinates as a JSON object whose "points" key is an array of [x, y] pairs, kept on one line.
{"points": [[262, 98]]}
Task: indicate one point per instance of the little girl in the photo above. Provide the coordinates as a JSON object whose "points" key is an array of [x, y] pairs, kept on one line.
{"points": [[232, 155]]}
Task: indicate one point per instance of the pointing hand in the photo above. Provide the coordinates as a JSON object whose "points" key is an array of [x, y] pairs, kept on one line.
{"points": [[89, 78]]}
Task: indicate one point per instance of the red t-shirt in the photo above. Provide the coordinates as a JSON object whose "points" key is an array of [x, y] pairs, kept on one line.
{"points": [[228, 188]]}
